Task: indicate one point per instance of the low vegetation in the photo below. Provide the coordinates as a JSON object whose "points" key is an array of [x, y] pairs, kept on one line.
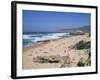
{"points": [[81, 62], [82, 45]]}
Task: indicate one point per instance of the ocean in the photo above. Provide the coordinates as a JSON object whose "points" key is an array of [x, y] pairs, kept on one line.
{"points": [[30, 39]]}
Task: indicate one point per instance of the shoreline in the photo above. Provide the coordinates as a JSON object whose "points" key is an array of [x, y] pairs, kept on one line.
{"points": [[54, 53], [46, 41]]}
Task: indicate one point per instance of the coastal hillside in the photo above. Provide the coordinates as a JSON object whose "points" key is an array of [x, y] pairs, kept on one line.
{"points": [[83, 28]]}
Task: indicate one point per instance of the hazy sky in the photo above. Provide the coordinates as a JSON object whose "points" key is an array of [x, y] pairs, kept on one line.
{"points": [[45, 21]]}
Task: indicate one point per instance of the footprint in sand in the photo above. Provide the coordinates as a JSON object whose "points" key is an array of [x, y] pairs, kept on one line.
{"points": [[64, 51], [45, 52], [40, 49]]}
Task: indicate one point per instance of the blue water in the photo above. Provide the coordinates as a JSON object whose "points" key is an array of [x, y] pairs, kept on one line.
{"points": [[30, 39]]}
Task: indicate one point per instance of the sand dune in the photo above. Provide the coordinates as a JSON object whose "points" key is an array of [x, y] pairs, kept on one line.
{"points": [[55, 53]]}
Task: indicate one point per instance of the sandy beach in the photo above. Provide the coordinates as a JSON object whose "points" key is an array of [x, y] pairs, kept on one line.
{"points": [[57, 53]]}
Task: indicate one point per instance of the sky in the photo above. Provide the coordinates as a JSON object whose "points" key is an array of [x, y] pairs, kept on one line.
{"points": [[47, 21]]}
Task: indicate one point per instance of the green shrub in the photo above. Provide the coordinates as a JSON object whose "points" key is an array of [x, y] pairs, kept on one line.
{"points": [[81, 63], [88, 62], [82, 45]]}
